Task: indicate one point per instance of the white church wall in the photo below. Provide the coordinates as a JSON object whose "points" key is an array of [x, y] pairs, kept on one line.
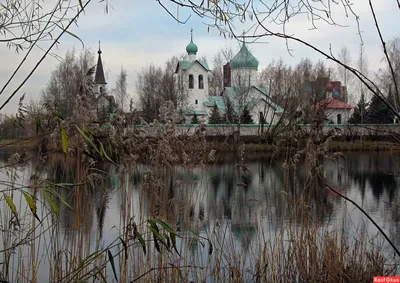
{"points": [[196, 96], [271, 117], [332, 114], [261, 106]]}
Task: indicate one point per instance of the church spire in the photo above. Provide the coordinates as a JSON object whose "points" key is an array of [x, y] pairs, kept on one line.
{"points": [[99, 78]]}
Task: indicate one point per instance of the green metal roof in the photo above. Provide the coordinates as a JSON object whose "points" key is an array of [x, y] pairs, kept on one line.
{"points": [[184, 65], [231, 92], [268, 100], [191, 48], [197, 112], [244, 59], [262, 89], [215, 100]]}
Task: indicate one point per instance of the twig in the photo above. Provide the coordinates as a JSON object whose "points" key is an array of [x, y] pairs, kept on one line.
{"points": [[29, 51], [44, 55]]}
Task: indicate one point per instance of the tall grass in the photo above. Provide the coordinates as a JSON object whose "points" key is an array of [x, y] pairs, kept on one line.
{"points": [[281, 245], [168, 227]]}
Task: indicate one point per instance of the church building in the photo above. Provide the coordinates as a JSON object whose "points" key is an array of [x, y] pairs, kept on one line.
{"points": [[192, 79], [103, 104], [240, 88]]}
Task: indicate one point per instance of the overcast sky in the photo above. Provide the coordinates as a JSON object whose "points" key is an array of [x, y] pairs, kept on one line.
{"points": [[137, 33]]}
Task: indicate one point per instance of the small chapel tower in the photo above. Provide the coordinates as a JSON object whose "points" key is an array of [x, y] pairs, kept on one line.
{"points": [[192, 78], [99, 78]]}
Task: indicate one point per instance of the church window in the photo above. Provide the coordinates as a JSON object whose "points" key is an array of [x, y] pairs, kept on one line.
{"points": [[201, 82], [191, 82], [196, 102]]}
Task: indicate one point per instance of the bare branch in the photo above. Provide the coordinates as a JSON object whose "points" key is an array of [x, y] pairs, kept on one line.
{"points": [[385, 51], [44, 55]]}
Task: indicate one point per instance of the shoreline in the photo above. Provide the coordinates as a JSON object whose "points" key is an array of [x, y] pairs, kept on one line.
{"points": [[250, 147], [333, 146]]}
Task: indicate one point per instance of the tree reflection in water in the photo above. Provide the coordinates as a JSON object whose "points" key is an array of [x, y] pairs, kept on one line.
{"points": [[217, 199]]}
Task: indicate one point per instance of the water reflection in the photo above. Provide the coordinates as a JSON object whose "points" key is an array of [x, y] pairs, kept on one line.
{"points": [[218, 196], [219, 192]]}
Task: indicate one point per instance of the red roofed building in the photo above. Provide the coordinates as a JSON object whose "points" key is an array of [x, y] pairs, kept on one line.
{"points": [[331, 103], [336, 111]]}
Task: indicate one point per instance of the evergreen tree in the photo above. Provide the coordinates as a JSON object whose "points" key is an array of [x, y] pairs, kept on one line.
{"points": [[379, 112], [230, 115], [215, 117], [246, 116], [360, 112], [131, 105], [194, 119], [147, 111]]}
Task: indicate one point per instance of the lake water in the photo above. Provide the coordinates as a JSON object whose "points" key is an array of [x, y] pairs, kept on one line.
{"points": [[240, 208]]}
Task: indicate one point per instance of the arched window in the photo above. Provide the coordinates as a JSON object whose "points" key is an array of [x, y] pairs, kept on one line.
{"points": [[191, 81], [339, 118], [201, 82]]}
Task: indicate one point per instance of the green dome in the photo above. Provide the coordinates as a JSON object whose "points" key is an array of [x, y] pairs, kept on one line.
{"points": [[191, 48], [244, 59]]}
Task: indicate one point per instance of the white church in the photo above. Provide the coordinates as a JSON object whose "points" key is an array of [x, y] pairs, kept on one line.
{"points": [[240, 87]]}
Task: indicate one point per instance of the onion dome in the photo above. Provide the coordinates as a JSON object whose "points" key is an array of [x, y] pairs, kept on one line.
{"points": [[244, 59], [191, 48]]}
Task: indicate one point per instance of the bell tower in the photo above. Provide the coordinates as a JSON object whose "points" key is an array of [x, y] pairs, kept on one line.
{"points": [[99, 78]]}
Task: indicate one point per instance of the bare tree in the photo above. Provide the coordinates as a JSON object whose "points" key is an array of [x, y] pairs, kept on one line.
{"points": [[120, 90], [345, 57], [169, 86], [65, 80], [277, 78], [362, 64], [148, 87], [216, 79], [25, 25], [321, 70], [35, 116], [344, 74], [389, 76]]}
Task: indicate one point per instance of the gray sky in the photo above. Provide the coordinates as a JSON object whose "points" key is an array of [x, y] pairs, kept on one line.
{"points": [[137, 33]]}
